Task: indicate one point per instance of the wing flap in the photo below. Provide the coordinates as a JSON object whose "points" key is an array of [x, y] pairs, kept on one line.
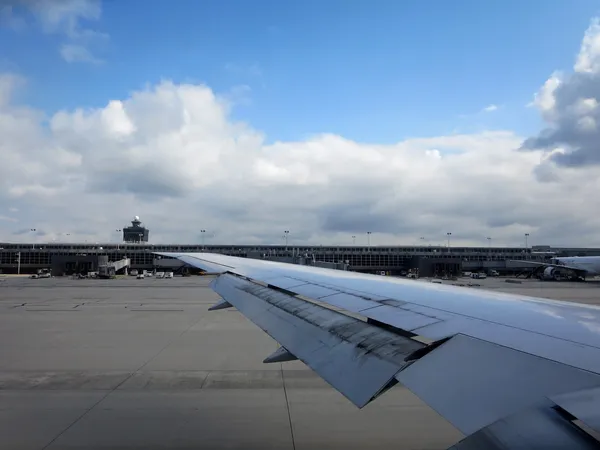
{"points": [[314, 291], [349, 302], [473, 383], [540, 427], [583, 405], [284, 282], [356, 358], [401, 318]]}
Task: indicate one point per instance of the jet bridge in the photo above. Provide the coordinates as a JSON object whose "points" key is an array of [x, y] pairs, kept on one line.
{"points": [[110, 269]]}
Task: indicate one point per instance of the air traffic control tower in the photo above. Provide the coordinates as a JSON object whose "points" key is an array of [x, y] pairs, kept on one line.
{"points": [[137, 232]]}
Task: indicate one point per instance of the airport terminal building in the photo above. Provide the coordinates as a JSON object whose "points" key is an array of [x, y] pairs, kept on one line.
{"points": [[67, 258], [28, 258]]}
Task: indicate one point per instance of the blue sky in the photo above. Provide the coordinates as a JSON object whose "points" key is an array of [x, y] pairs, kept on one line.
{"points": [[372, 71]]}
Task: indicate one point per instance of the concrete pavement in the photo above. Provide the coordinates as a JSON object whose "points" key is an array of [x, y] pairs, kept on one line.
{"points": [[142, 364]]}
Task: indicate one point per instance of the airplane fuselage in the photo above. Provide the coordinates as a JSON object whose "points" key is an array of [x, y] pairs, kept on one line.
{"points": [[589, 264]]}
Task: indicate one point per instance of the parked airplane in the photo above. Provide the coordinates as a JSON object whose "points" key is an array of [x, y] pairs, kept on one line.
{"points": [[508, 371], [580, 266]]}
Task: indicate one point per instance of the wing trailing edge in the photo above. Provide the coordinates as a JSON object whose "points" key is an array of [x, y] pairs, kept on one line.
{"points": [[358, 359]]}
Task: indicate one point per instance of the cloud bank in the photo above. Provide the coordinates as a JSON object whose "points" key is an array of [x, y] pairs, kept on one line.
{"points": [[172, 154], [569, 105]]}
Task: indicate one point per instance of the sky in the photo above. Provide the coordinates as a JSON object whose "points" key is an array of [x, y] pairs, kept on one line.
{"points": [[329, 119]]}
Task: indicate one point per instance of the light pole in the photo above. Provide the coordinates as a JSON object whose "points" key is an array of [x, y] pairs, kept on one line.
{"points": [[448, 234], [353, 240], [422, 239], [287, 233], [526, 236], [118, 231], [489, 248], [369, 239], [202, 234], [32, 230], [18, 263]]}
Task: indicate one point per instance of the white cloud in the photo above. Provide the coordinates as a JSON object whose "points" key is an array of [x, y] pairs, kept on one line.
{"points": [[586, 124], [477, 115], [78, 53], [58, 16], [588, 59], [172, 154], [569, 105], [9, 82], [61, 17], [239, 95], [544, 99], [585, 106]]}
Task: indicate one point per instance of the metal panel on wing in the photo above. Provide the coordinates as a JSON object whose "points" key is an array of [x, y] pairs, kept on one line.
{"points": [[473, 383], [539, 427], [314, 291], [400, 318], [349, 302], [283, 282], [584, 405], [357, 359]]}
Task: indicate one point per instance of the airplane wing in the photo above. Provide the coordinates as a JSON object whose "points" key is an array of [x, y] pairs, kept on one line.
{"points": [[508, 371], [577, 270]]}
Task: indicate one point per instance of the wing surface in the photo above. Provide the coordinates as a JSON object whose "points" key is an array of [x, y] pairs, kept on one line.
{"points": [[489, 355], [558, 266]]}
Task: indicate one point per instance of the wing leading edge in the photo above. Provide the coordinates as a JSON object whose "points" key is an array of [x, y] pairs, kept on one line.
{"points": [[493, 357]]}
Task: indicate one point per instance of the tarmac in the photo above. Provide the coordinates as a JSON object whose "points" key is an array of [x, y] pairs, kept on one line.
{"points": [[142, 364]]}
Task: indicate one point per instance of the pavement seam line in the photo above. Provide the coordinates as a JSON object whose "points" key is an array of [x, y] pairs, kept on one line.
{"points": [[166, 346], [287, 404], [120, 384], [87, 411], [205, 378]]}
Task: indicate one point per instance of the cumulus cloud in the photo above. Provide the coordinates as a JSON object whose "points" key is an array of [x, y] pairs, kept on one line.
{"points": [[588, 60], [63, 17], [490, 108], [172, 154], [569, 105]]}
